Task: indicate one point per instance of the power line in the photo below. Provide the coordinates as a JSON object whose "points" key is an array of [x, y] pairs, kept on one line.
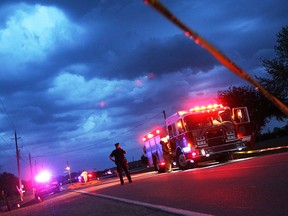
{"points": [[5, 142], [102, 141], [4, 111]]}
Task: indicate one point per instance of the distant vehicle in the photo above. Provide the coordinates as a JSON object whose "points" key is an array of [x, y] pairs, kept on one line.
{"points": [[203, 133], [45, 185], [88, 175]]}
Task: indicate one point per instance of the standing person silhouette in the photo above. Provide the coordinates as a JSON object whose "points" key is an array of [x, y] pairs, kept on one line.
{"points": [[121, 162], [167, 154]]}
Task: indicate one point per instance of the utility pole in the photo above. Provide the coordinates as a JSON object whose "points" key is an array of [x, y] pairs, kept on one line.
{"points": [[165, 117], [30, 163], [18, 167], [31, 172], [35, 168], [164, 114]]}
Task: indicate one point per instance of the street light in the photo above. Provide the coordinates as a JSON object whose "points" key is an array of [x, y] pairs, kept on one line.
{"points": [[69, 172]]}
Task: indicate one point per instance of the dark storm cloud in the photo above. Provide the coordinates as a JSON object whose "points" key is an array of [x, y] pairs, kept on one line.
{"points": [[26, 83], [245, 27], [163, 56], [84, 75]]}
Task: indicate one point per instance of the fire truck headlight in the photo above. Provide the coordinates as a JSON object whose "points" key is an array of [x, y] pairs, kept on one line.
{"points": [[187, 149], [203, 152], [240, 146]]}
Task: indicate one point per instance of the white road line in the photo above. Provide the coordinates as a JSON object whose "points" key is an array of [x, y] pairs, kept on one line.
{"points": [[148, 205]]}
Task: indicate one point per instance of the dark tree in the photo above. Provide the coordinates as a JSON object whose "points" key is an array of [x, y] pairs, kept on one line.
{"points": [[8, 184], [276, 79], [245, 96]]}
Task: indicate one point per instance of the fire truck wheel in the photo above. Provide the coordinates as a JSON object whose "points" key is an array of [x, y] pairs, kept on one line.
{"points": [[181, 161], [161, 169], [156, 163]]}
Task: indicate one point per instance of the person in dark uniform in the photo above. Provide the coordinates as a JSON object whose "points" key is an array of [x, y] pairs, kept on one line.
{"points": [[118, 157], [167, 154]]}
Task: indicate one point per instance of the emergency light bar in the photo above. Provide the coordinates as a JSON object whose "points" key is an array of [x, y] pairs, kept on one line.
{"points": [[43, 177], [180, 113], [210, 107], [151, 134]]}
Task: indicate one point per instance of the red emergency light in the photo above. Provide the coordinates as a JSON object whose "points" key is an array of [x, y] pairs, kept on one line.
{"points": [[150, 136]]}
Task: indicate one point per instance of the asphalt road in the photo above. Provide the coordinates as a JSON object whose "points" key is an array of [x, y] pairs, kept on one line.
{"points": [[249, 186], [252, 186]]}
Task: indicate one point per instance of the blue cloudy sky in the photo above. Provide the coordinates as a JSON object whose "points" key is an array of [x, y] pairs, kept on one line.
{"points": [[78, 76]]}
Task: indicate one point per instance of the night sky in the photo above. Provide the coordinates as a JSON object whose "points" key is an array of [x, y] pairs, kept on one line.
{"points": [[78, 76]]}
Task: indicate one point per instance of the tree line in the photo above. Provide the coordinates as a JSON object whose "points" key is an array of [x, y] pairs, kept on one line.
{"points": [[275, 80]]}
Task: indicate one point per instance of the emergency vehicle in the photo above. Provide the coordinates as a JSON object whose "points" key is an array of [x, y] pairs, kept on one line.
{"points": [[153, 149], [45, 185], [199, 134]]}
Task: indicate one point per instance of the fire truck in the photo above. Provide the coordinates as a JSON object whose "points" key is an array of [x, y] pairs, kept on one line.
{"points": [[200, 134]]}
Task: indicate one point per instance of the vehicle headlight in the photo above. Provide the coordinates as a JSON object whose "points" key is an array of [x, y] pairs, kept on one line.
{"points": [[205, 152], [187, 149]]}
